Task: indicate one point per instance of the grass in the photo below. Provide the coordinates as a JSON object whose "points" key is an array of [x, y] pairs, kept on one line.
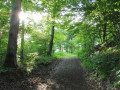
{"points": [[63, 54]]}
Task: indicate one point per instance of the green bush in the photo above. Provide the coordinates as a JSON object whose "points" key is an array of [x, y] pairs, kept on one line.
{"points": [[33, 60], [45, 60], [105, 64]]}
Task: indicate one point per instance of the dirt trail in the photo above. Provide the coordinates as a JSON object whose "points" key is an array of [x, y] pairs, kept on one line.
{"points": [[62, 74], [68, 75]]}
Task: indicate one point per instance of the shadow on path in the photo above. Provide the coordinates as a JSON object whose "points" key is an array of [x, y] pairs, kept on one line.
{"points": [[68, 75], [62, 74]]}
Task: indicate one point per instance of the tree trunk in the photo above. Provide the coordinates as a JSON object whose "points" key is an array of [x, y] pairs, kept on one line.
{"points": [[22, 41], [119, 33], [0, 49], [0, 37], [0, 34], [45, 47], [118, 25], [104, 29], [104, 33], [11, 60], [51, 42]]}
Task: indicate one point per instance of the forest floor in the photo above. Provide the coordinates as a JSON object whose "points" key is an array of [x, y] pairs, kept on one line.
{"points": [[62, 74]]}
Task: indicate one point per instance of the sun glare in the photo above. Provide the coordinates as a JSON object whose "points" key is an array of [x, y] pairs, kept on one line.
{"points": [[21, 16], [36, 17], [29, 16]]}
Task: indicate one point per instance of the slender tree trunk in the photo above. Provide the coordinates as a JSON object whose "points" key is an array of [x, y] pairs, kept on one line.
{"points": [[119, 33], [104, 29], [0, 51], [118, 25], [0, 34], [22, 41], [0, 37], [45, 47], [11, 60], [100, 37], [60, 47], [51, 42]]}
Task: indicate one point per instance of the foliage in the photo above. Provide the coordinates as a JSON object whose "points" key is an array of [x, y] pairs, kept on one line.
{"points": [[45, 60], [34, 61], [105, 65], [90, 28], [63, 54]]}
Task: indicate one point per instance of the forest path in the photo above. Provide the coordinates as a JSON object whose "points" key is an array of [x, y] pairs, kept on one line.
{"points": [[68, 75], [62, 74]]}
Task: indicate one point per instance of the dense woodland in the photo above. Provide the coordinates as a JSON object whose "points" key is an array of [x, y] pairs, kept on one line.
{"points": [[36, 32]]}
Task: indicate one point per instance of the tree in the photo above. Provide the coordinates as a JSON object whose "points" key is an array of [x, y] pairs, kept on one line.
{"points": [[11, 60], [22, 41], [51, 41], [56, 7], [0, 34]]}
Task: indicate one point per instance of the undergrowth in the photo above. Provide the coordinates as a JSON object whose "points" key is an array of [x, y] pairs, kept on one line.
{"points": [[34, 61], [105, 65], [31, 62]]}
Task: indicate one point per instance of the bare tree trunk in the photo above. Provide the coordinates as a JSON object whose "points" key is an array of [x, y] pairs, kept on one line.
{"points": [[45, 47], [118, 25], [119, 33], [51, 42], [0, 37], [0, 34], [0, 51], [104, 33], [11, 60], [22, 41], [104, 27]]}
